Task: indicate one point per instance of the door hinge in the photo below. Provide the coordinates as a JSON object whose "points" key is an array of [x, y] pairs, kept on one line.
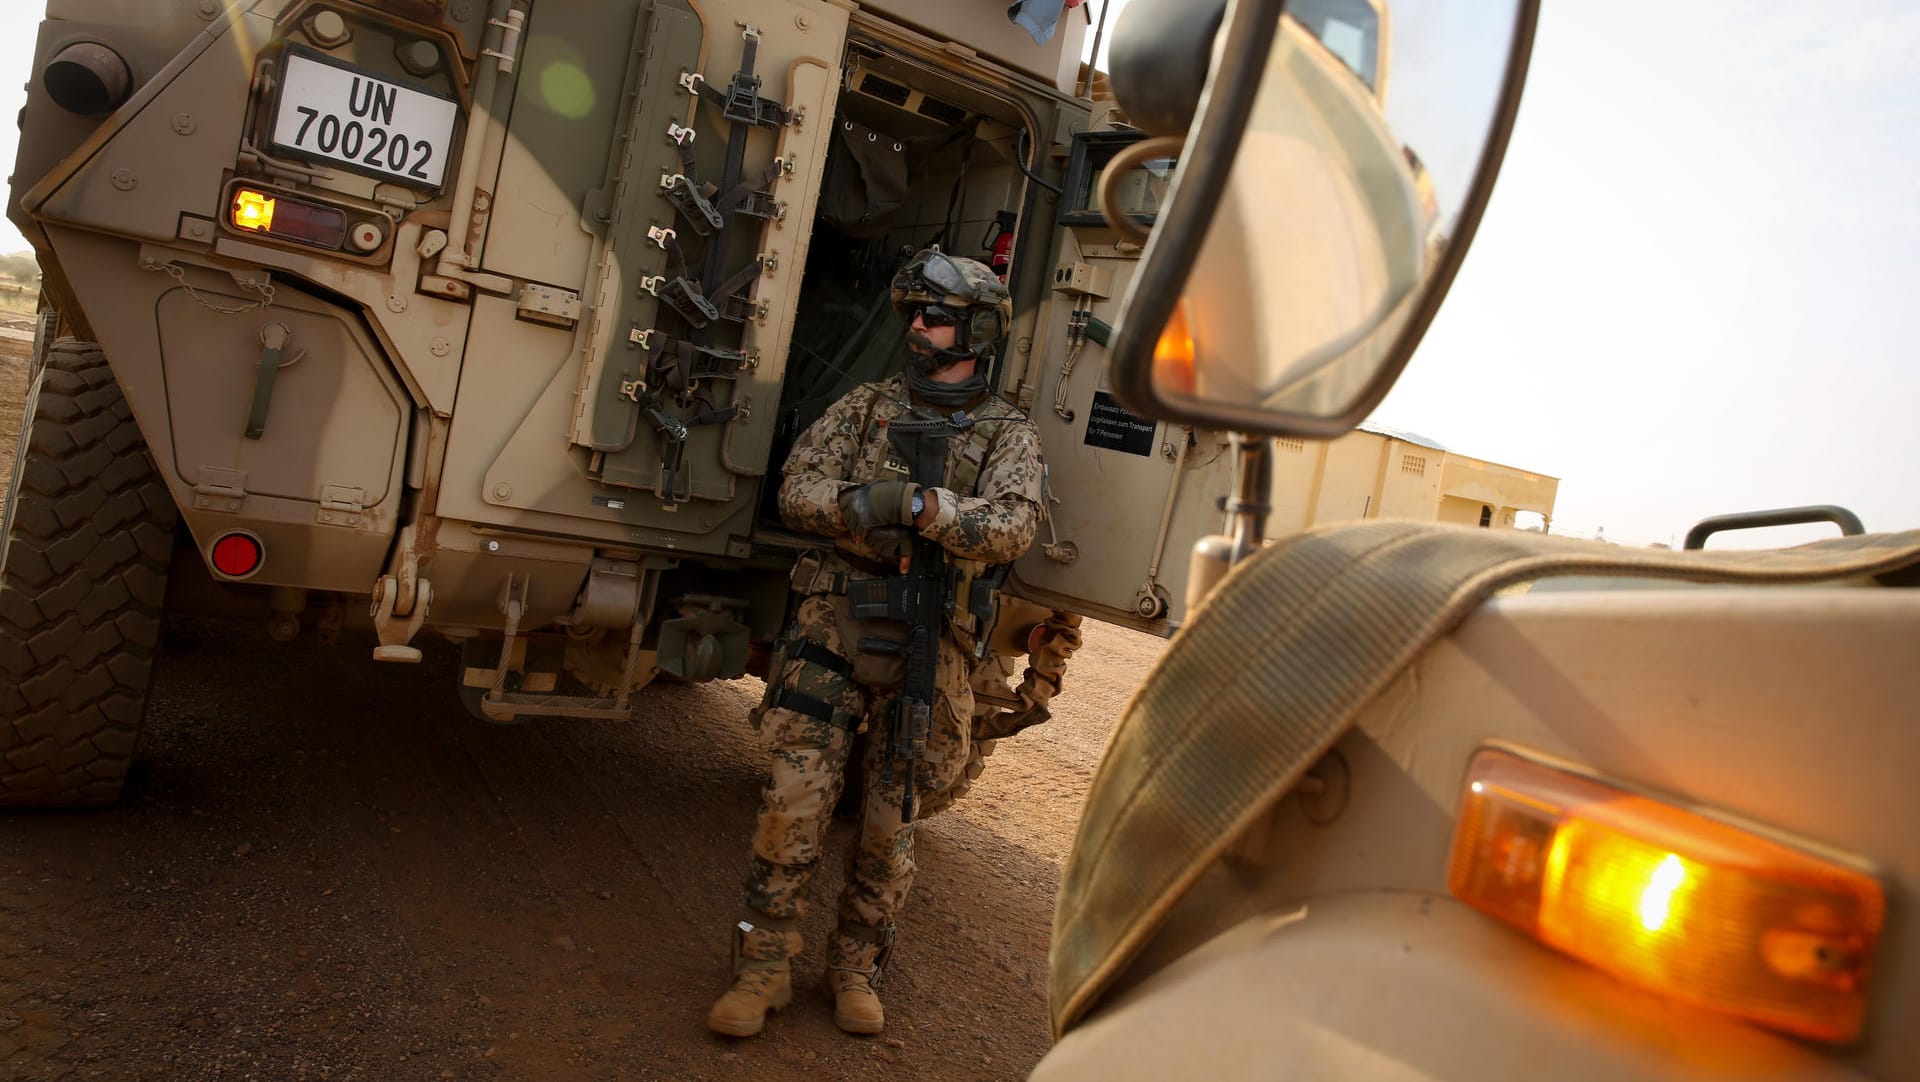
{"points": [[220, 489], [341, 505]]}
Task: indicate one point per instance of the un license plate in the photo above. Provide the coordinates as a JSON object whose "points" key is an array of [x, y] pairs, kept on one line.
{"points": [[333, 113]]}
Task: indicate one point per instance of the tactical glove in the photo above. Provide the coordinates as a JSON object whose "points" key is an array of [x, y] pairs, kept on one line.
{"points": [[882, 503], [890, 542]]}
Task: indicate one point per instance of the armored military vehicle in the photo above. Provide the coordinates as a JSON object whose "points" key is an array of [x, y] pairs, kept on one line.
{"points": [[1380, 813], [493, 320]]}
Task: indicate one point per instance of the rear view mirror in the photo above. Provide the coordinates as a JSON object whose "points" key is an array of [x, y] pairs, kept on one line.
{"points": [[1330, 183]]}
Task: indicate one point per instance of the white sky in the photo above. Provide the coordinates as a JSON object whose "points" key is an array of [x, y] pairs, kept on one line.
{"points": [[1691, 293]]}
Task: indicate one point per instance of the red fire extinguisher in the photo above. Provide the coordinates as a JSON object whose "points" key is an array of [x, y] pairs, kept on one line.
{"points": [[999, 241]]}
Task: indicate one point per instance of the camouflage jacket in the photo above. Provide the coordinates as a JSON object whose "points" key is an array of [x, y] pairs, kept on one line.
{"points": [[992, 520]]}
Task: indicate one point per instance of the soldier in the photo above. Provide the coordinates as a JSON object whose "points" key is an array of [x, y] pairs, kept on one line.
{"points": [[862, 476]]}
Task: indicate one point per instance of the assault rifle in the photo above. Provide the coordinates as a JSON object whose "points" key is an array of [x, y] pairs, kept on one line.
{"points": [[911, 718], [919, 598]]}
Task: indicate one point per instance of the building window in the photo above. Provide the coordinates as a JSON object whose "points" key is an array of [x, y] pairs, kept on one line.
{"points": [[1486, 516], [1413, 464]]}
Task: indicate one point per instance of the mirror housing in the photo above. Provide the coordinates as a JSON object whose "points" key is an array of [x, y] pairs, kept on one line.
{"points": [[1302, 251], [1158, 61]]}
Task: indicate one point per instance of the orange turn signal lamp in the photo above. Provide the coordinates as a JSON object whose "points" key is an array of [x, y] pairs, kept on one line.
{"points": [[280, 215], [1174, 353], [1731, 918]]}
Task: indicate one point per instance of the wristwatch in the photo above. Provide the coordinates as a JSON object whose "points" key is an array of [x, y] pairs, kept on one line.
{"points": [[919, 504]]}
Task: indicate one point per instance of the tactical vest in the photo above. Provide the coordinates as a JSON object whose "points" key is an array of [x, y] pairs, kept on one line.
{"points": [[971, 616], [963, 479]]}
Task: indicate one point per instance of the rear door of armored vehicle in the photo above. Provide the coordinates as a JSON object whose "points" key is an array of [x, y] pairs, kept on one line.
{"points": [[879, 140], [996, 158]]}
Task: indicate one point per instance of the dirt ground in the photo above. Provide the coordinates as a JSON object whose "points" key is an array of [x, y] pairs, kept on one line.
{"points": [[14, 356], [323, 869]]}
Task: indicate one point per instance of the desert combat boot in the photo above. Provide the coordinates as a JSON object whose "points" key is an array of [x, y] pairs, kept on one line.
{"points": [[762, 976], [853, 973]]}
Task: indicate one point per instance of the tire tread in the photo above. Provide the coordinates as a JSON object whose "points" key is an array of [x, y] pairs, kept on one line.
{"points": [[86, 538]]}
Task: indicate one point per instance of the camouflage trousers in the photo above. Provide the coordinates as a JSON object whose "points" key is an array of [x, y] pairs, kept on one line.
{"points": [[808, 767]]}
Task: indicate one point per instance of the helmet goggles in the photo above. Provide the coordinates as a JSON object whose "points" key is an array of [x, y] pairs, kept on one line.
{"points": [[940, 273]]}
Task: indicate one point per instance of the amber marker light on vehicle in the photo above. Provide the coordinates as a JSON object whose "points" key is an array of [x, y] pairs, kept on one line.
{"points": [[1729, 918], [252, 210], [1173, 355], [282, 216]]}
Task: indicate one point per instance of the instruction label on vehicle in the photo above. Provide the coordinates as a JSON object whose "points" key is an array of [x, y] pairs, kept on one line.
{"points": [[1114, 427]]}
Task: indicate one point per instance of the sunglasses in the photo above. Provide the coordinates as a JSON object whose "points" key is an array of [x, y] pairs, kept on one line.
{"points": [[933, 315]]}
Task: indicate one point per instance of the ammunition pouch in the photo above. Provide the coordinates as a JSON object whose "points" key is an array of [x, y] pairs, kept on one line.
{"points": [[870, 614], [880, 599], [879, 659], [976, 596], [877, 619]]}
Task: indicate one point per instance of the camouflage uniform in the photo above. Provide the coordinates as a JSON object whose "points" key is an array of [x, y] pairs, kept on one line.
{"points": [[990, 519], [1001, 711]]}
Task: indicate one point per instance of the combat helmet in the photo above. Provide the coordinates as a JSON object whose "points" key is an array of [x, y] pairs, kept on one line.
{"points": [[932, 277]]}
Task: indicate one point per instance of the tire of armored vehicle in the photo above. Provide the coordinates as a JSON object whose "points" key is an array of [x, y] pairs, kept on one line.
{"points": [[84, 544]]}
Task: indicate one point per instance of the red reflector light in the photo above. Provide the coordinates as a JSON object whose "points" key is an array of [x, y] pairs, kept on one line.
{"points": [[281, 215], [238, 555]]}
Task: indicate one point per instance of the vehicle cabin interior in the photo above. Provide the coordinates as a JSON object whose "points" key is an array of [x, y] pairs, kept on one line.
{"points": [[917, 158]]}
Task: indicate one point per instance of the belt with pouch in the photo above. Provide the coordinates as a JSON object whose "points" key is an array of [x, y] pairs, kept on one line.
{"points": [[816, 573]]}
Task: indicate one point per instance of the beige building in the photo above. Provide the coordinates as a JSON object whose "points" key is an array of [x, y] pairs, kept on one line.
{"points": [[1378, 472]]}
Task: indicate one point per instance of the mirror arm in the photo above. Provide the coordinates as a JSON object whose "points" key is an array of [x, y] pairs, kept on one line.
{"points": [[1247, 510], [1253, 487]]}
